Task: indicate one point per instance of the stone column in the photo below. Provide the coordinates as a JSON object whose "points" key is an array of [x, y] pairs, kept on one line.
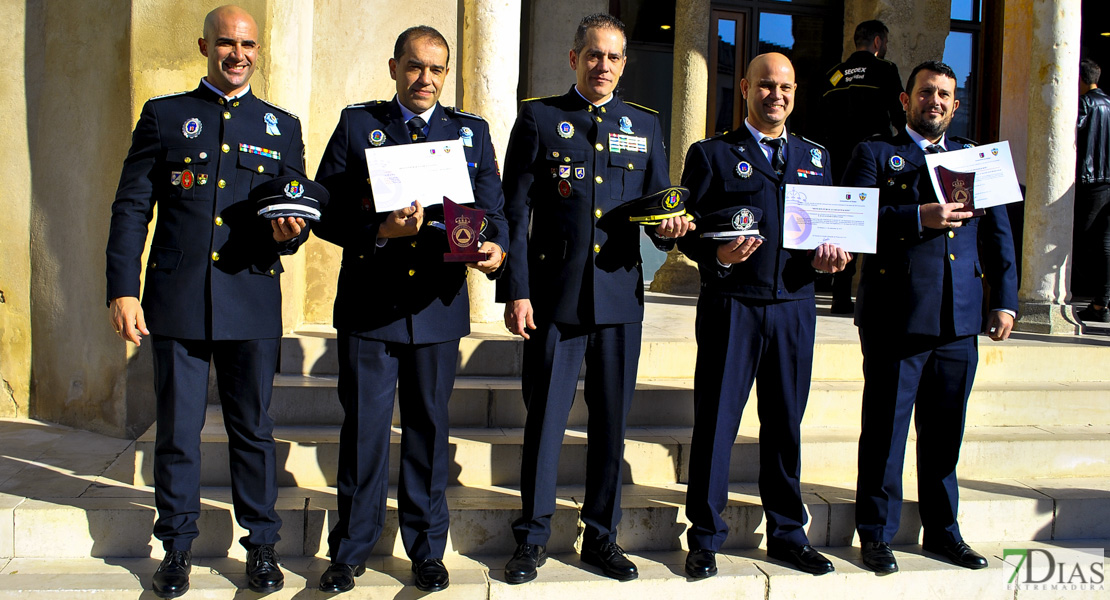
{"points": [[489, 71], [1050, 169], [689, 103]]}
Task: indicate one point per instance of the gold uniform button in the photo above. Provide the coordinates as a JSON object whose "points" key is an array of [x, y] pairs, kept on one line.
{"points": [[271, 271], [882, 271], [630, 166], [221, 101], [153, 265], [412, 272], [541, 257], [597, 212], [225, 148], [952, 257], [221, 183], [597, 248], [188, 160], [219, 221], [951, 234], [598, 179], [360, 257], [227, 115], [903, 186], [215, 256], [261, 168], [599, 147], [566, 159], [413, 244]]}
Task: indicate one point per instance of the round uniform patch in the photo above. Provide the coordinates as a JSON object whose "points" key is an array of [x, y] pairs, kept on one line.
{"points": [[566, 130], [744, 169], [377, 137], [564, 188], [897, 162], [743, 220], [670, 201], [191, 128]]}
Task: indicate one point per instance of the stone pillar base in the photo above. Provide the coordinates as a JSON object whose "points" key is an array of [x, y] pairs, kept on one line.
{"points": [[678, 275], [1043, 317], [482, 290]]}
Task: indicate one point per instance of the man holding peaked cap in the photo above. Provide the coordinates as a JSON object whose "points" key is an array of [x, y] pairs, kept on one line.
{"points": [[400, 311], [756, 316], [212, 291], [574, 288]]}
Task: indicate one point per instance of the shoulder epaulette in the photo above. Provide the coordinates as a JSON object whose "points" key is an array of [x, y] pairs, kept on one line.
{"points": [[962, 140], [462, 113], [808, 141], [367, 103], [540, 98], [281, 108], [169, 95], [641, 107]]}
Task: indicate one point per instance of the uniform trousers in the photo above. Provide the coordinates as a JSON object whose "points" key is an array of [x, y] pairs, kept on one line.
{"points": [[245, 378], [932, 375], [552, 361], [422, 375], [741, 341]]}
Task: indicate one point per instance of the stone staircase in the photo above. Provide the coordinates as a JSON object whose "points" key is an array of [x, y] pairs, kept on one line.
{"points": [[77, 508]]}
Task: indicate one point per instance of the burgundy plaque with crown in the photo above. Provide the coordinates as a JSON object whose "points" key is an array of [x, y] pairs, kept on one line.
{"points": [[463, 224], [959, 187]]}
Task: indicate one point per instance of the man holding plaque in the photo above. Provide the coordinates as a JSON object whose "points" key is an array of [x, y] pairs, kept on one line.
{"points": [[400, 311], [756, 316], [574, 288], [919, 312]]}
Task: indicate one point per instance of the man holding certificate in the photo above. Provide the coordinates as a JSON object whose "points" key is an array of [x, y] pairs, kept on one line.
{"points": [[400, 310], [919, 312], [756, 315]]}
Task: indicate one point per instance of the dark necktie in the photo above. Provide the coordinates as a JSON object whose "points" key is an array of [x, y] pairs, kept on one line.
{"points": [[934, 149], [416, 129], [778, 161]]}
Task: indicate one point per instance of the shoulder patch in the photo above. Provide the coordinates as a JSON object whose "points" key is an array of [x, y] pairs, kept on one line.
{"points": [[461, 113], [808, 141], [168, 95], [365, 104], [540, 98], [641, 107], [282, 109]]}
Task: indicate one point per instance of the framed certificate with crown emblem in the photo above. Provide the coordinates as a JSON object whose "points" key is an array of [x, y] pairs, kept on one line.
{"points": [[994, 181], [428, 171]]}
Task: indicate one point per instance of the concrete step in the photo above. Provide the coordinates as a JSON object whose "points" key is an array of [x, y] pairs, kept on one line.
{"points": [[307, 456], [671, 353], [742, 574], [497, 402], [114, 520]]}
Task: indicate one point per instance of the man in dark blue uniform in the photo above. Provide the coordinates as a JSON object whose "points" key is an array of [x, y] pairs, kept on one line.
{"points": [[756, 318], [212, 289], [574, 288], [919, 312], [860, 99], [400, 311]]}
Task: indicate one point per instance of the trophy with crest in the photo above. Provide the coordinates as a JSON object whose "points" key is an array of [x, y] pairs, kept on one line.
{"points": [[959, 187], [464, 227]]}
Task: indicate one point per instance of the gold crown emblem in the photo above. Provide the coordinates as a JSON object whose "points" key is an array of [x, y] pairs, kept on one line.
{"points": [[462, 220]]}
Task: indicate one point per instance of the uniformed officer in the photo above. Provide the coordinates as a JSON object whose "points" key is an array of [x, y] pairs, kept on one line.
{"points": [[400, 311], [212, 289], [574, 287], [920, 310], [756, 317], [860, 99]]}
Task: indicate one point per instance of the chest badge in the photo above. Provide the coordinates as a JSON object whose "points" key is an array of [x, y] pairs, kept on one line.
{"points": [[744, 169], [377, 137], [815, 157], [191, 128], [467, 137], [271, 124], [186, 179], [566, 130], [897, 162], [579, 172], [564, 188], [564, 171], [626, 125]]}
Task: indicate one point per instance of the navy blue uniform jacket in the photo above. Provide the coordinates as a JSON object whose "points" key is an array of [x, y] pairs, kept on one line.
{"points": [[902, 286], [213, 267], [575, 264], [771, 272], [403, 291]]}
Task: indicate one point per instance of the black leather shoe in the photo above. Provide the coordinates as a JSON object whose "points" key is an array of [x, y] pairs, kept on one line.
{"points": [[878, 557], [431, 575], [804, 557], [610, 558], [340, 577], [263, 573], [521, 568], [842, 308], [1095, 315], [701, 564], [959, 553], [172, 577]]}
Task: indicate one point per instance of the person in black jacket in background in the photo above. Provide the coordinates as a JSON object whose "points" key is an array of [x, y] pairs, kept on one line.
{"points": [[1092, 190]]}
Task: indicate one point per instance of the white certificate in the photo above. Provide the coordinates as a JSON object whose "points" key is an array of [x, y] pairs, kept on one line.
{"points": [[995, 180], [845, 216], [427, 172]]}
